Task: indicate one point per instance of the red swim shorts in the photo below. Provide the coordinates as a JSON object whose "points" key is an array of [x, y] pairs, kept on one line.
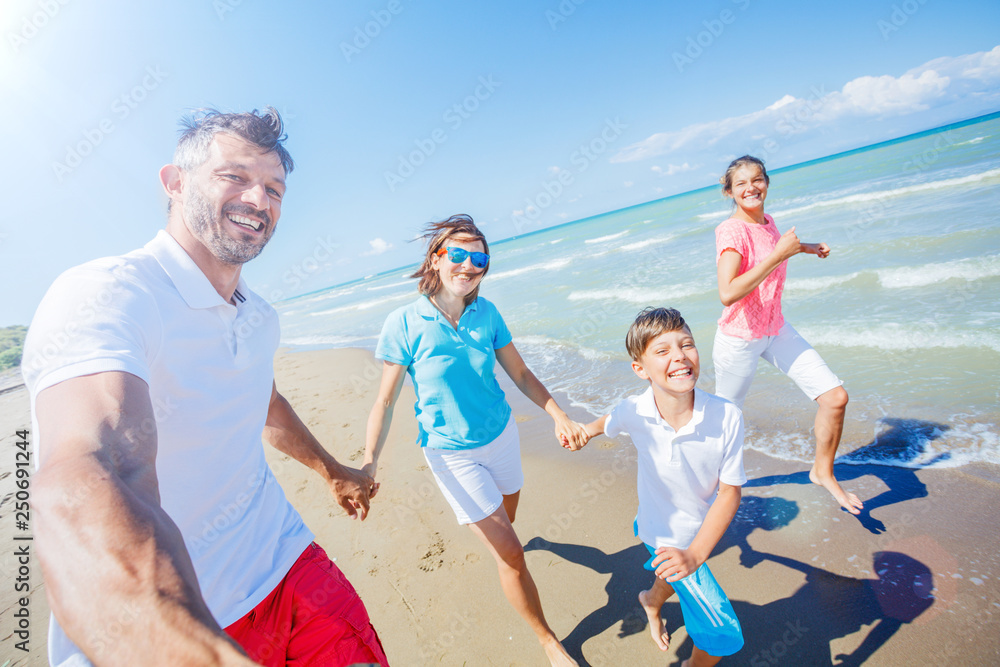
{"points": [[313, 617]]}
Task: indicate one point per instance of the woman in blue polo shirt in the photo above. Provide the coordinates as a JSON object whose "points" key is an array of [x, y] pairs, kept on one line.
{"points": [[449, 341]]}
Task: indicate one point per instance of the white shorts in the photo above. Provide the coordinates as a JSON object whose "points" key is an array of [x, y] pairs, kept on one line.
{"points": [[735, 362], [474, 481]]}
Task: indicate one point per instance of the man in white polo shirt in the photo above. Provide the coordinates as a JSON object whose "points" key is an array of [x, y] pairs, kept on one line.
{"points": [[163, 536]]}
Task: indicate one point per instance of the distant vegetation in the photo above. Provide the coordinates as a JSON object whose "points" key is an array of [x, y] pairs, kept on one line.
{"points": [[11, 344]]}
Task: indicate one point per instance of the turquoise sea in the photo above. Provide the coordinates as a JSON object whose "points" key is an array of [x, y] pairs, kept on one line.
{"points": [[906, 310]]}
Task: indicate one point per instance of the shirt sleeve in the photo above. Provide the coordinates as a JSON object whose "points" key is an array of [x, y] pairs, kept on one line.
{"points": [[615, 424], [501, 334], [732, 471], [93, 319], [727, 235], [393, 344]]}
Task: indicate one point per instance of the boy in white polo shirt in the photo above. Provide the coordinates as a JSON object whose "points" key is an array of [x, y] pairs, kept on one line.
{"points": [[690, 470]]}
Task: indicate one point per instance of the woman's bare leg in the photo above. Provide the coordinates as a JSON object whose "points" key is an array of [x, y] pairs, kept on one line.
{"points": [[496, 532]]}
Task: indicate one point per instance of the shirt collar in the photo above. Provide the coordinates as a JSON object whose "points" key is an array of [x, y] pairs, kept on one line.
{"points": [[646, 407], [427, 310], [192, 284]]}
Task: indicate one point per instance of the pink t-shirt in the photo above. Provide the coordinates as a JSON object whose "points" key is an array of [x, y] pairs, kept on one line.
{"points": [[758, 314]]}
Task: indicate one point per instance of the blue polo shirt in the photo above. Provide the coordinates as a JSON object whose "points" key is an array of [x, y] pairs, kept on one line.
{"points": [[459, 402]]}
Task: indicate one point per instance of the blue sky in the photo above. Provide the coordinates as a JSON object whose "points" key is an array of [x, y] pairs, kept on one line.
{"points": [[522, 114]]}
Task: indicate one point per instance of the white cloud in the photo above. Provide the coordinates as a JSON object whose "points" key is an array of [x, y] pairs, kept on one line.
{"points": [[378, 246], [671, 169], [629, 184], [936, 83]]}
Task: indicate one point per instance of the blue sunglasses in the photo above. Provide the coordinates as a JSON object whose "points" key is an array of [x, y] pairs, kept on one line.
{"points": [[458, 255]]}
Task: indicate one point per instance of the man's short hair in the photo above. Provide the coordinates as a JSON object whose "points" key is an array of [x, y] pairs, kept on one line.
{"points": [[649, 324], [262, 129]]}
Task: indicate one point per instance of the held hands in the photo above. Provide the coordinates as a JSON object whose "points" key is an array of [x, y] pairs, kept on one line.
{"points": [[672, 564], [352, 489], [369, 469], [570, 434]]}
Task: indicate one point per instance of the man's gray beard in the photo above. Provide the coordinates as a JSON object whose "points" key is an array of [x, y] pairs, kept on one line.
{"points": [[200, 213]]}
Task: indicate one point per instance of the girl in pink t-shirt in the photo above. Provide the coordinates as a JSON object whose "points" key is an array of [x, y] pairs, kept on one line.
{"points": [[751, 256]]}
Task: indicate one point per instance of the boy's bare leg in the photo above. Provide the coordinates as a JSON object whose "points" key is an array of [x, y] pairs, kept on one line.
{"points": [[700, 659], [828, 427], [652, 601], [496, 532]]}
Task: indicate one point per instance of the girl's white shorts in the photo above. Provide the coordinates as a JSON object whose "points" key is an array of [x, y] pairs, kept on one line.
{"points": [[735, 362], [474, 481]]}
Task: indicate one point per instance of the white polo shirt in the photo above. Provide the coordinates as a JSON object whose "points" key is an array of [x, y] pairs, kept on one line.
{"points": [[679, 471], [209, 367]]}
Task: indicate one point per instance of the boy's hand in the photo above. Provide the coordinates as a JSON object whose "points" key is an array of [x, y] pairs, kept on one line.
{"points": [[672, 564]]}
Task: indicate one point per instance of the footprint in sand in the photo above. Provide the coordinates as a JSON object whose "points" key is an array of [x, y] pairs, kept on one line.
{"points": [[432, 560]]}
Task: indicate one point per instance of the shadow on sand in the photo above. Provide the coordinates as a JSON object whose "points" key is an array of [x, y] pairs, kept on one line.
{"points": [[892, 456], [795, 630]]}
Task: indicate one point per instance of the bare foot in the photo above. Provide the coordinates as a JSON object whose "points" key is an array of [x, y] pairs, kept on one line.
{"points": [[848, 501], [656, 629], [557, 655]]}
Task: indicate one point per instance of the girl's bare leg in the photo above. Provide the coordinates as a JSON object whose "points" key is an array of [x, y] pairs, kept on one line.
{"points": [[829, 426]]}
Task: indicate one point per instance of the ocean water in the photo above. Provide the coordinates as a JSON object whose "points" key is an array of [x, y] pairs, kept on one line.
{"points": [[906, 310]]}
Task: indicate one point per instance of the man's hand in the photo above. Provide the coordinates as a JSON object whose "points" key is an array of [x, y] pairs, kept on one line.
{"points": [[352, 489], [288, 434], [672, 564]]}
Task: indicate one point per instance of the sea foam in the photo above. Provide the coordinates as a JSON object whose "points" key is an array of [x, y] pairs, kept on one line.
{"points": [[880, 195], [644, 295], [893, 337], [969, 269]]}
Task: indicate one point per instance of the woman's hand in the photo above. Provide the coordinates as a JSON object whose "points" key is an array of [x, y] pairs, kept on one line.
{"points": [[370, 470], [570, 434]]}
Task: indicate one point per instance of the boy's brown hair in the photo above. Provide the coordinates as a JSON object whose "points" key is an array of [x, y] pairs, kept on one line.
{"points": [[649, 324]]}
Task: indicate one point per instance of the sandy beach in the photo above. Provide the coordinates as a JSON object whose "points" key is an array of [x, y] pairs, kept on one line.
{"points": [[914, 581]]}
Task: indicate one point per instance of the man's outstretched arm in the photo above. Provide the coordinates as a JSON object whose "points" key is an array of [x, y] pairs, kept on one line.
{"points": [[284, 431], [118, 577]]}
